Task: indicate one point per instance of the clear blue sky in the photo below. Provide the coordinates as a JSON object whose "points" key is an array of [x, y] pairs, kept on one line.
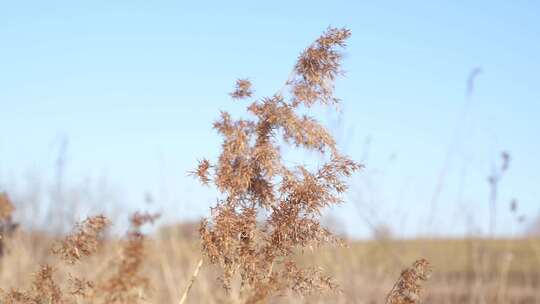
{"points": [[135, 85]]}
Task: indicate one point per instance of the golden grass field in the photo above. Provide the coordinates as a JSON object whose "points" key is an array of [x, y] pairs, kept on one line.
{"points": [[464, 271]]}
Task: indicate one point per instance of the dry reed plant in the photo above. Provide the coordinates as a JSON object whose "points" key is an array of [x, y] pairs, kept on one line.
{"points": [[128, 284], [268, 211], [7, 226], [408, 288], [6, 207], [83, 241], [44, 289], [493, 179]]}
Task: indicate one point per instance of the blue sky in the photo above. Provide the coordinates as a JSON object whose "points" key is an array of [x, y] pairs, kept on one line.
{"points": [[135, 85]]}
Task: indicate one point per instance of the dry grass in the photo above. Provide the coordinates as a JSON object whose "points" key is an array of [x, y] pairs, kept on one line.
{"points": [[408, 288], [464, 271]]}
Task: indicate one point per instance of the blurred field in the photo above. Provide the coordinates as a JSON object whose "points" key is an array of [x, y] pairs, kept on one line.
{"points": [[465, 270]]}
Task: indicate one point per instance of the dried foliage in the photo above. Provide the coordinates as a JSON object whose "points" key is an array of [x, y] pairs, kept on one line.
{"points": [[317, 68], [44, 290], [128, 284], [202, 171], [7, 226], [83, 241], [46, 287], [268, 210], [6, 207], [242, 90], [81, 287], [408, 288]]}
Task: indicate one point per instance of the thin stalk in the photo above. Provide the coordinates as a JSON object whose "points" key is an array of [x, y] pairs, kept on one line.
{"points": [[191, 281]]}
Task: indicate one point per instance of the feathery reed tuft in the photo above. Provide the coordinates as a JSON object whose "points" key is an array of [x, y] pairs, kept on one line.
{"points": [[408, 288], [80, 243], [83, 241], [268, 211], [44, 289], [127, 284], [317, 67], [242, 90]]}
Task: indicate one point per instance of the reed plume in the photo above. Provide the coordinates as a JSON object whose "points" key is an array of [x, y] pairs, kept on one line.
{"points": [[83, 241], [128, 284], [408, 287], [268, 211], [44, 288]]}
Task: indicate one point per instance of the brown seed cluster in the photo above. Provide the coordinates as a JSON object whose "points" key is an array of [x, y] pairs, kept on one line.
{"points": [[80, 243], [202, 171], [83, 241], [268, 210], [317, 68], [45, 286], [44, 290], [127, 284], [408, 288], [81, 287], [242, 90], [6, 207]]}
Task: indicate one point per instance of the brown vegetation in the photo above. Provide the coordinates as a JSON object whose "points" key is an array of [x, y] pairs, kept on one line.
{"points": [[269, 212]]}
